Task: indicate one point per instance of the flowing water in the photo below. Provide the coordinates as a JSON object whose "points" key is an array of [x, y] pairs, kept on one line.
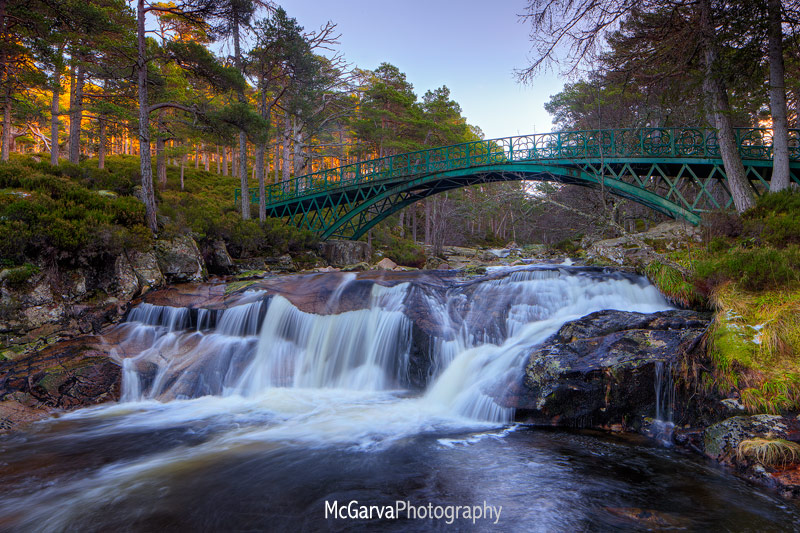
{"points": [[263, 417]]}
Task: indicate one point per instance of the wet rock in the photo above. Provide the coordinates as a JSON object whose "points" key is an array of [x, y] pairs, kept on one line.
{"points": [[66, 375], [386, 264], [599, 371], [341, 253], [721, 439], [179, 259]]}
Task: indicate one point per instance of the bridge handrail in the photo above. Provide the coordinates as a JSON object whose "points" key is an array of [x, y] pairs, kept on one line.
{"points": [[562, 146]]}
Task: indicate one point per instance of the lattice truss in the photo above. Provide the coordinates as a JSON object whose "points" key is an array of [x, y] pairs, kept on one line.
{"points": [[675, 171]]}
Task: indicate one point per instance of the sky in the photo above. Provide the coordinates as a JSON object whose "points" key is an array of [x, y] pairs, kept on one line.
{"points": [[471, 46]]}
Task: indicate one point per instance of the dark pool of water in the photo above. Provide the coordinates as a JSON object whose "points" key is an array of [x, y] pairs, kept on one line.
{"points": [[61, 476]]}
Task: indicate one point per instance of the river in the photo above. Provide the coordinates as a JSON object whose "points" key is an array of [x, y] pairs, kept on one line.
{"points": [[260, 416]]}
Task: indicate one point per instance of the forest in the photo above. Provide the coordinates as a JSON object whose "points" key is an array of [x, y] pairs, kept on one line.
{"points": [[239, 89]]}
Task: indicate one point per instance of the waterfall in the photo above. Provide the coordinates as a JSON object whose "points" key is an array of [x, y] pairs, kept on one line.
{"points": [[478, 334], [663, 423]]}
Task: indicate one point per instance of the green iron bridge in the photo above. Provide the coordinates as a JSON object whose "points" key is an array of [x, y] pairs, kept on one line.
{"points": [[675, 171]]}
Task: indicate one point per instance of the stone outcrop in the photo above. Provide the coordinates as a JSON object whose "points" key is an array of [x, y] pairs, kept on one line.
{"points": [[66, 375], [217, 258], [599, 371], [342, 253], [642, 248], [721, 442], [386, 264], [179, 260]]}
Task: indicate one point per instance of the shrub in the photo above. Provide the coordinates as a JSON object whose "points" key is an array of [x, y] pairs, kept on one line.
{"points": [[751, 269], [405, 252], [722, 224], [775, 219], [569, 246]]}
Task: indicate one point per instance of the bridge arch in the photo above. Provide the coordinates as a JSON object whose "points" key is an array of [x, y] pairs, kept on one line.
{"points": [[676, 171], [402, 195]]}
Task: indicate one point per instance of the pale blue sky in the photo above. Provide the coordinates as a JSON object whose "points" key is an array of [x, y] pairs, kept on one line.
{"points": [[471, 46]]}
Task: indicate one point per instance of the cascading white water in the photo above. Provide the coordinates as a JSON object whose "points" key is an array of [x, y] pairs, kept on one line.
{"points": [[483, 332]]}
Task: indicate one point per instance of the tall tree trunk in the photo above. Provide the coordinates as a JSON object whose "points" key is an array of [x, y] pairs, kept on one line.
{"points": [[161, 162], [6, 149], [261, 151], [287, 132], [717, 95], [145, 164], [183, 166], [414, 222], [243, 175], [402, 223], [428, 221], [76, 115], [242, 135], [777, 100], [277, 161], [207, 160], [54, 123], [101, 142], [219, 169], [224, 160]]}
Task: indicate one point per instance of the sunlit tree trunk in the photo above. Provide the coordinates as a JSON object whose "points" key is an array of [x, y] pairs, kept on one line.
{"points": [[76, 115], [161, 162], [54, 124], [101, 142]]}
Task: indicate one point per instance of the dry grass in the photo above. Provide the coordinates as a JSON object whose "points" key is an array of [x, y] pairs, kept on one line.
{"points": [[769, 452]]}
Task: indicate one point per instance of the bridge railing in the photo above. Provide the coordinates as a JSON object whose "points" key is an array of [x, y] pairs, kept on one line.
{"points": [[564, 146]]}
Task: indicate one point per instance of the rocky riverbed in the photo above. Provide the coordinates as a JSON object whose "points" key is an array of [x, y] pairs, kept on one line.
{"points": [[609, 370]]}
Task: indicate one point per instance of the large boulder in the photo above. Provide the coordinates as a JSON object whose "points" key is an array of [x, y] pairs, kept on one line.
{"points": [[600, 370], [180, 260], [342, 253]]}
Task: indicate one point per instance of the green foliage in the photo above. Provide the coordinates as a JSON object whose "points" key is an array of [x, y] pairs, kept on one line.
{"points": [[769, 452], [673, 284], [405, 252], [20, 275], [569, 246], [752, 269], [775, 219], [51, 211]]}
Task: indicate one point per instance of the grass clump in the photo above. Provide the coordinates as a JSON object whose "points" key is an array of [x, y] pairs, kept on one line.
{"points": [[673, 284], [769, 452]]}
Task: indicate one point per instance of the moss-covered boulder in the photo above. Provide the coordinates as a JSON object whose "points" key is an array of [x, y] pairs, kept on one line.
{"points": [[723, 438], [601, 370]]}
